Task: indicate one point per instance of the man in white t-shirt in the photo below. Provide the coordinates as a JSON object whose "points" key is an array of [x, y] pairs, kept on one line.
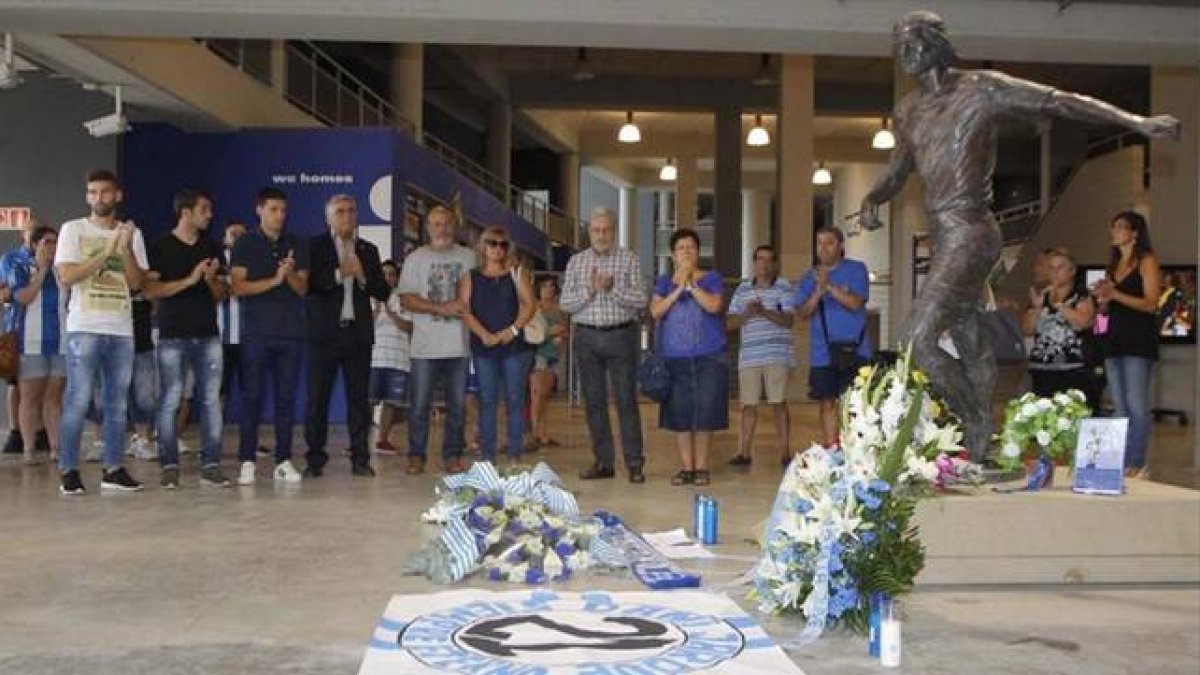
{"points": [[102, 261], [439, 348]]}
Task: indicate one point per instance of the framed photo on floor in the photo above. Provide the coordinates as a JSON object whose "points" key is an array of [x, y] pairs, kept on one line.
{"points": [[1100, 456]]}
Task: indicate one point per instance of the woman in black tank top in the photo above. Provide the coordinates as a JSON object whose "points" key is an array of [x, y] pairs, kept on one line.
{"points": [[1129, 295]]}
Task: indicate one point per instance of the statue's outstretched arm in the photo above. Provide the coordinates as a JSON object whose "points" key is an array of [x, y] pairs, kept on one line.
{"points": [[1026, 98], [888, 185]]}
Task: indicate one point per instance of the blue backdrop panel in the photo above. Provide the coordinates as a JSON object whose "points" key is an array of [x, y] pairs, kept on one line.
{"points": [[309, 165]]}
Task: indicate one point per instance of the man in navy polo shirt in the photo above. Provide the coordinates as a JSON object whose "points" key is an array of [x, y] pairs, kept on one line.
{"points": [[832, 297], [269, 273]]}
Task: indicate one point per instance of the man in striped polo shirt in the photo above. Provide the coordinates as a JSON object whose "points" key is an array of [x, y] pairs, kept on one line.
{"points": [[36, 315], [762, 308]]}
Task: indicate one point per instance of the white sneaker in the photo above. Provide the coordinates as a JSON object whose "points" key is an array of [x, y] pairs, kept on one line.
{"points": [[286, 472], [142, 448], [246, 475]]}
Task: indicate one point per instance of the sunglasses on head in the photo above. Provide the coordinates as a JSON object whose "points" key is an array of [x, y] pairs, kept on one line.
{"points": [[498, 243]]}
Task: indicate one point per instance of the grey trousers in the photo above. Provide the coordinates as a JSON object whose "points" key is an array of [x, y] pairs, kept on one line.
{"points": [[604, 354]]}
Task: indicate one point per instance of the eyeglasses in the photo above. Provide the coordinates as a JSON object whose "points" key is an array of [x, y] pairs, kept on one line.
{"points": [[498, 243]]}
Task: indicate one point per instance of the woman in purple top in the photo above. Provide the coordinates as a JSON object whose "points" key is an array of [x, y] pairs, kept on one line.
{"points": [[689, 308]]}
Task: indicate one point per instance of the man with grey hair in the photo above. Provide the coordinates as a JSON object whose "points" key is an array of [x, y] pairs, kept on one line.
{"points": [[946, 131], [344, 275], [603, 292]]}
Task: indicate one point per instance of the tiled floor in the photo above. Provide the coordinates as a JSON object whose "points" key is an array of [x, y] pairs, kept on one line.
{"points": [[291, 580]]}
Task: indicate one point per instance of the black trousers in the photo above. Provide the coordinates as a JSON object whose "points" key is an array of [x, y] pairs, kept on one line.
{"points": [[352, 355]]}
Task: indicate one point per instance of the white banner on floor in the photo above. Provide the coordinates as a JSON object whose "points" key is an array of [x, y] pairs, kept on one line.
{"points": [[535, 632]]}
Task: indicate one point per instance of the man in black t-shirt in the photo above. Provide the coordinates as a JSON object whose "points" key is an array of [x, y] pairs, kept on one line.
{"points": [[185, 280]]}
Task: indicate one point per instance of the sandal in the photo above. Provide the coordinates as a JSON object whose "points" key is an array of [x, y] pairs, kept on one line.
{"points": [[683, 477], [701, 477]]}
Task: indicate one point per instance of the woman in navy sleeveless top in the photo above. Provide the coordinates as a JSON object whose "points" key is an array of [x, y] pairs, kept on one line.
{"points": [[500, 302], [1129, 294]]}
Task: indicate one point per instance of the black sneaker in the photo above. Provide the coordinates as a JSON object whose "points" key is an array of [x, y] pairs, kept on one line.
{"points": [[170, 478], [212, 476], [15, 445], [363, 470], [119, 479], [41, 442], [71, 484], [740, 460]]}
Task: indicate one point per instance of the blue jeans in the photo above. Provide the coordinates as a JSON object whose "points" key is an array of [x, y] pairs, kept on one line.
{"points": [[1129, 383], [453, 374], [143, 389], [281, 358], [91, 356], [513, 370], [204, 357]]}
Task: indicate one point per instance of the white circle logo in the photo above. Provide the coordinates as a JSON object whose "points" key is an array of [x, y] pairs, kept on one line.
{"points": [[381, 198], [570, 637]]}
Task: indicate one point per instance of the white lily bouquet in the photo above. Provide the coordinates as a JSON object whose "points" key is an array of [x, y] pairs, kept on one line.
{"points": [[522, 528], [1050, 423], [840, 529]]}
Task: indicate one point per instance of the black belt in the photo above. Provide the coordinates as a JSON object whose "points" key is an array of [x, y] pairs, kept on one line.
{"points": [[618, 326], [345, 323]]}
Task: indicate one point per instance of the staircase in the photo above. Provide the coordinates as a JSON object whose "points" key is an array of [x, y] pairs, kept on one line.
{"points": [[316, 83]]}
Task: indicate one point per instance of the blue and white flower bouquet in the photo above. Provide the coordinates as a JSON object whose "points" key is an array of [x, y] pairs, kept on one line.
{"points": [[841, 530], [522, 528]]}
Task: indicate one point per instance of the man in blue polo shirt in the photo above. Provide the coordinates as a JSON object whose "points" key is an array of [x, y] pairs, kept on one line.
{"points": [[269, 273], [833, 298]]}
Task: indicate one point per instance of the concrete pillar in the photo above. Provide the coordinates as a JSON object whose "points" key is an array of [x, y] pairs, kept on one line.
{"points": [[795, 154], [756, 226], [1045, 166], [1174, 214], [279, 66], [727, 235], [685, 192], [408, 86], [797, 80], [627, 214], [568, 167], [499, 141]]}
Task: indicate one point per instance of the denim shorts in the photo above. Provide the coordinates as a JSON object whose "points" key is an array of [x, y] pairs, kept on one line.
{"points": [[388, 385], [40, 366], [699, 399]]}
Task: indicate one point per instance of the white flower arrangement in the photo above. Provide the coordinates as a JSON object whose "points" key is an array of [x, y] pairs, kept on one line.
{"points": [[839, 530], [1050, 423]]}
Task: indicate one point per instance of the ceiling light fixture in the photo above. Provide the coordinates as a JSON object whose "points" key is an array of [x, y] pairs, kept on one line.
{"points": [[582, 72], [629, 132], [764, 78], [668, 172], [884, 139], [758, 136], [822, 176]]}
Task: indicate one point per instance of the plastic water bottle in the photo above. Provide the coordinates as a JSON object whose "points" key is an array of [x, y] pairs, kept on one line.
{"points": [[699, 514]]}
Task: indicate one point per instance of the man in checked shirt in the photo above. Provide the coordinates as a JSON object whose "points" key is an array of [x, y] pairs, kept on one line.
{"points": [[604, 295]]}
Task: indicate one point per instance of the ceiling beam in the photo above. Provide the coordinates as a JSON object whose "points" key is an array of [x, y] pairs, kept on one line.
{"points": [[1092, 32]]}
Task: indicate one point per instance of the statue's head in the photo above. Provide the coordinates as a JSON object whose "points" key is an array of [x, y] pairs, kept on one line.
{"points": [[921, 43]]}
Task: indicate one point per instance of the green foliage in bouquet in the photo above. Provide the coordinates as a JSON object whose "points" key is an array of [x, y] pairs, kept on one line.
{"points": [[1050, 424]]}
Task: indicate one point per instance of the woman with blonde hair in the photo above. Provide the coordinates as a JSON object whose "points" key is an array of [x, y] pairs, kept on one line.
{"points": [[499, 299], [1059, 316]]}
